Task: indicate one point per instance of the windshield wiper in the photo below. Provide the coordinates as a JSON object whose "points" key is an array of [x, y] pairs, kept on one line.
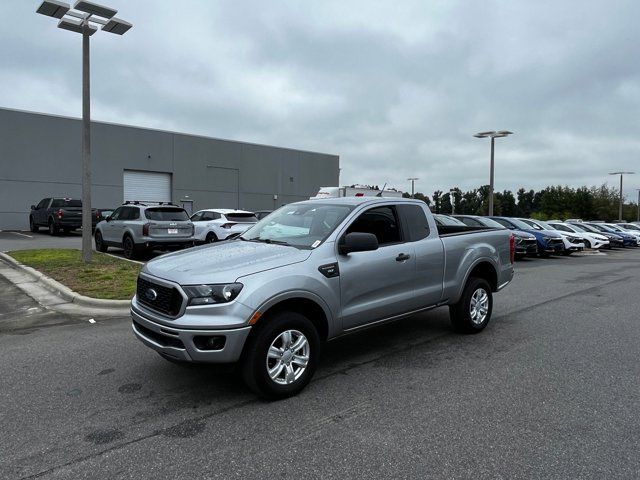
{"points": [[267, 240]]}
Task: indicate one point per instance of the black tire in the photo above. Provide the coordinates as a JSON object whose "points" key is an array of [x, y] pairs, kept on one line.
{"points": [[566, 252], [53, 228], [32, 226], [100, 245], [460, 313], [270, 330], [129, 248], [587, 244], [519, 256], [211, 238]]}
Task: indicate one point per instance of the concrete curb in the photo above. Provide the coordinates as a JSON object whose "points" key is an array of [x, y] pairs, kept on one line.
{"points": [[63, 291]]}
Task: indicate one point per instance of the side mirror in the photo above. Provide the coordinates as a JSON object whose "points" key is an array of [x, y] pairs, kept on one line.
{"points": [[108, 219], [33, 207], [357, 242]]}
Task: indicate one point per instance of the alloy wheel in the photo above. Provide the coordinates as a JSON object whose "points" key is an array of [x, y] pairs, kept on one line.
{"points": [[287, 357], [479, 306]]}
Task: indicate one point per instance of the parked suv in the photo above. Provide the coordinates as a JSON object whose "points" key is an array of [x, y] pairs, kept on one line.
{"points": [[138, 228], [58, 214], [219, 224]]}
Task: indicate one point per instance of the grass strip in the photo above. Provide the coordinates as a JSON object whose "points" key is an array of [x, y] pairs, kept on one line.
{"points": [[105, 277]]}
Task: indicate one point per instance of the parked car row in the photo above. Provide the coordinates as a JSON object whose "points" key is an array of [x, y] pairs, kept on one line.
{"points": [[537, 237]]}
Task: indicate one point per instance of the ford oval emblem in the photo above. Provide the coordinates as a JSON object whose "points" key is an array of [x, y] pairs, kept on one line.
{"points": [[151, 294]]}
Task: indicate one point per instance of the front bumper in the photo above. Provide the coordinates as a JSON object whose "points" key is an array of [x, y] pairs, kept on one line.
{"points": [[181, 343]]}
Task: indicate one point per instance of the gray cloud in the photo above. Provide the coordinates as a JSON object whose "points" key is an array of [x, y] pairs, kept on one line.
{"points": [[395, 88]]}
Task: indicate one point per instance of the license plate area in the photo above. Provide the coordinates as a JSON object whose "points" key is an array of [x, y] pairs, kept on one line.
{"points": [[172, 231]]}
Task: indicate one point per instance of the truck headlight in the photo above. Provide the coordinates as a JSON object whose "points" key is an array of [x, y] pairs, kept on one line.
{"points": [[210, 294]]}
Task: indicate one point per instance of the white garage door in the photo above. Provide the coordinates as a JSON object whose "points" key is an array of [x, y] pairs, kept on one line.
{"points": [[147, 186]]}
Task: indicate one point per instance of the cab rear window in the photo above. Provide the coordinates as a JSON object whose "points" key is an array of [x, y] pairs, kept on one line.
{"points": [[65, 202], [164, 214]]}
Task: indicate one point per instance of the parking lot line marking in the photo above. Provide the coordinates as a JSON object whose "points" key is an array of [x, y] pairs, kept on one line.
{"points": [[122, 258], [22, 234]]}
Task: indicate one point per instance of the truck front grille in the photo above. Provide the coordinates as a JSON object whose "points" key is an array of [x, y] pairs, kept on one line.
{"points": [[166, 300]]}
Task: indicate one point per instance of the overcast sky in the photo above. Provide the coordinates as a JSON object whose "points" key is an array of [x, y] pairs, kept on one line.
{"points": [[397, 89]]}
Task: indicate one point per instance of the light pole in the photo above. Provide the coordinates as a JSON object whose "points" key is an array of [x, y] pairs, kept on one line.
{"points": [[493, 135], [80, 20], [621, 175], [452, 197], [638, 204], [413, 179]]}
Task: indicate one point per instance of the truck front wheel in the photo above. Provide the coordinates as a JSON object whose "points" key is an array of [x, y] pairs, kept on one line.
{"points": [[473, 311], [53, 228], [281, 355]]}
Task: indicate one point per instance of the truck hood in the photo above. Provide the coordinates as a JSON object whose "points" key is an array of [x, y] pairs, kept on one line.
{"points": [[223, 262]]}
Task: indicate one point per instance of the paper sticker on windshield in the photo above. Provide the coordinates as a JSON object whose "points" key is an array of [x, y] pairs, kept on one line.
{"points": [[315, 244]]}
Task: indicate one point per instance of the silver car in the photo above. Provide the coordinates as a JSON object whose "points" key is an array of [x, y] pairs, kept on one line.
{"points": [[313, 271], [138, 228]]}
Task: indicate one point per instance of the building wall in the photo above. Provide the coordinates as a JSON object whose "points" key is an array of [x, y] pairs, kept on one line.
{"points": [[40, 156]]}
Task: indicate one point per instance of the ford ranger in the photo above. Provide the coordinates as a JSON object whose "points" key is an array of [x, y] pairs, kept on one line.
{"points": [[311, 272]]}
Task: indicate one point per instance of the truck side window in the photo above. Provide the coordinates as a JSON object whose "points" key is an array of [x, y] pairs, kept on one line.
{"points": [[381, 221], [414, 221], [43, 203]]}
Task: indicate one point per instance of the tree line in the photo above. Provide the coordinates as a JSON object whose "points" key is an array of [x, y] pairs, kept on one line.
{"points": [[556, 202]]}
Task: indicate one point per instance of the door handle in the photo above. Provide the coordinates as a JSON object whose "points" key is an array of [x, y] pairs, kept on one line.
{"points": [[402, 257]]}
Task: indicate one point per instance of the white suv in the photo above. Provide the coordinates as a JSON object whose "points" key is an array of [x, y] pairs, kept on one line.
{"points": [[213, 225]]}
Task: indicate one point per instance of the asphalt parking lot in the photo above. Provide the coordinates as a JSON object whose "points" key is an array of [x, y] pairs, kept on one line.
{"points": [[25, 240], [548, 390]]}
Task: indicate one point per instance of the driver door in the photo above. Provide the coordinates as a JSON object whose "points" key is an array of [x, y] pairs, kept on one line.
{"points": [[377, 284]]}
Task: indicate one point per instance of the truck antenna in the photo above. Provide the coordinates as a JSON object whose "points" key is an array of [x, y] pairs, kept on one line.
{"points": [[379, 194]]}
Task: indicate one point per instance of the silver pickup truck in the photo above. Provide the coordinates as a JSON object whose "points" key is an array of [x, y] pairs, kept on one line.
{"points": [[310, 272]]}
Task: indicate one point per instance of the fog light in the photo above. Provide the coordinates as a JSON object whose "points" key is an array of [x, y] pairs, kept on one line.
{"points": [[215, 342]]}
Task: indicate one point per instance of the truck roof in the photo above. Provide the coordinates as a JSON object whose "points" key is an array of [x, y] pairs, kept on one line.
{"points": [[362, 200]]}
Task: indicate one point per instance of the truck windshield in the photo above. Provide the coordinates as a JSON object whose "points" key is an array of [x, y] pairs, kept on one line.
{"points": [[303, 225], [165, 214]]}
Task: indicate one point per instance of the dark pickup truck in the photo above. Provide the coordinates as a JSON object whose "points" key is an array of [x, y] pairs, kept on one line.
{"points": [[58, 214]]}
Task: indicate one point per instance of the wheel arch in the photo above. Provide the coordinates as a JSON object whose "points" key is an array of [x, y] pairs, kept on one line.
{"points": [[303, 304], [483, 269]]}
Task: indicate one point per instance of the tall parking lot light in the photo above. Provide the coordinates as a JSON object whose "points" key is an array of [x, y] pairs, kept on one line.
{"points": [[493, 135], [412, 180], [638, 204], [621, 175], [80, 19]]}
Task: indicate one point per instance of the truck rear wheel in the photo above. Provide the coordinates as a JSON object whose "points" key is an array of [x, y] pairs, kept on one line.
{"points": [[473, 311], [281, 355]]}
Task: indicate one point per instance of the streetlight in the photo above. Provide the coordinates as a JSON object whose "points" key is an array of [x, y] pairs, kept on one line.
{"points": [[413, 179], [452, 197], [80, 20], [493, 135], [621, 174], [638, 204]]}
